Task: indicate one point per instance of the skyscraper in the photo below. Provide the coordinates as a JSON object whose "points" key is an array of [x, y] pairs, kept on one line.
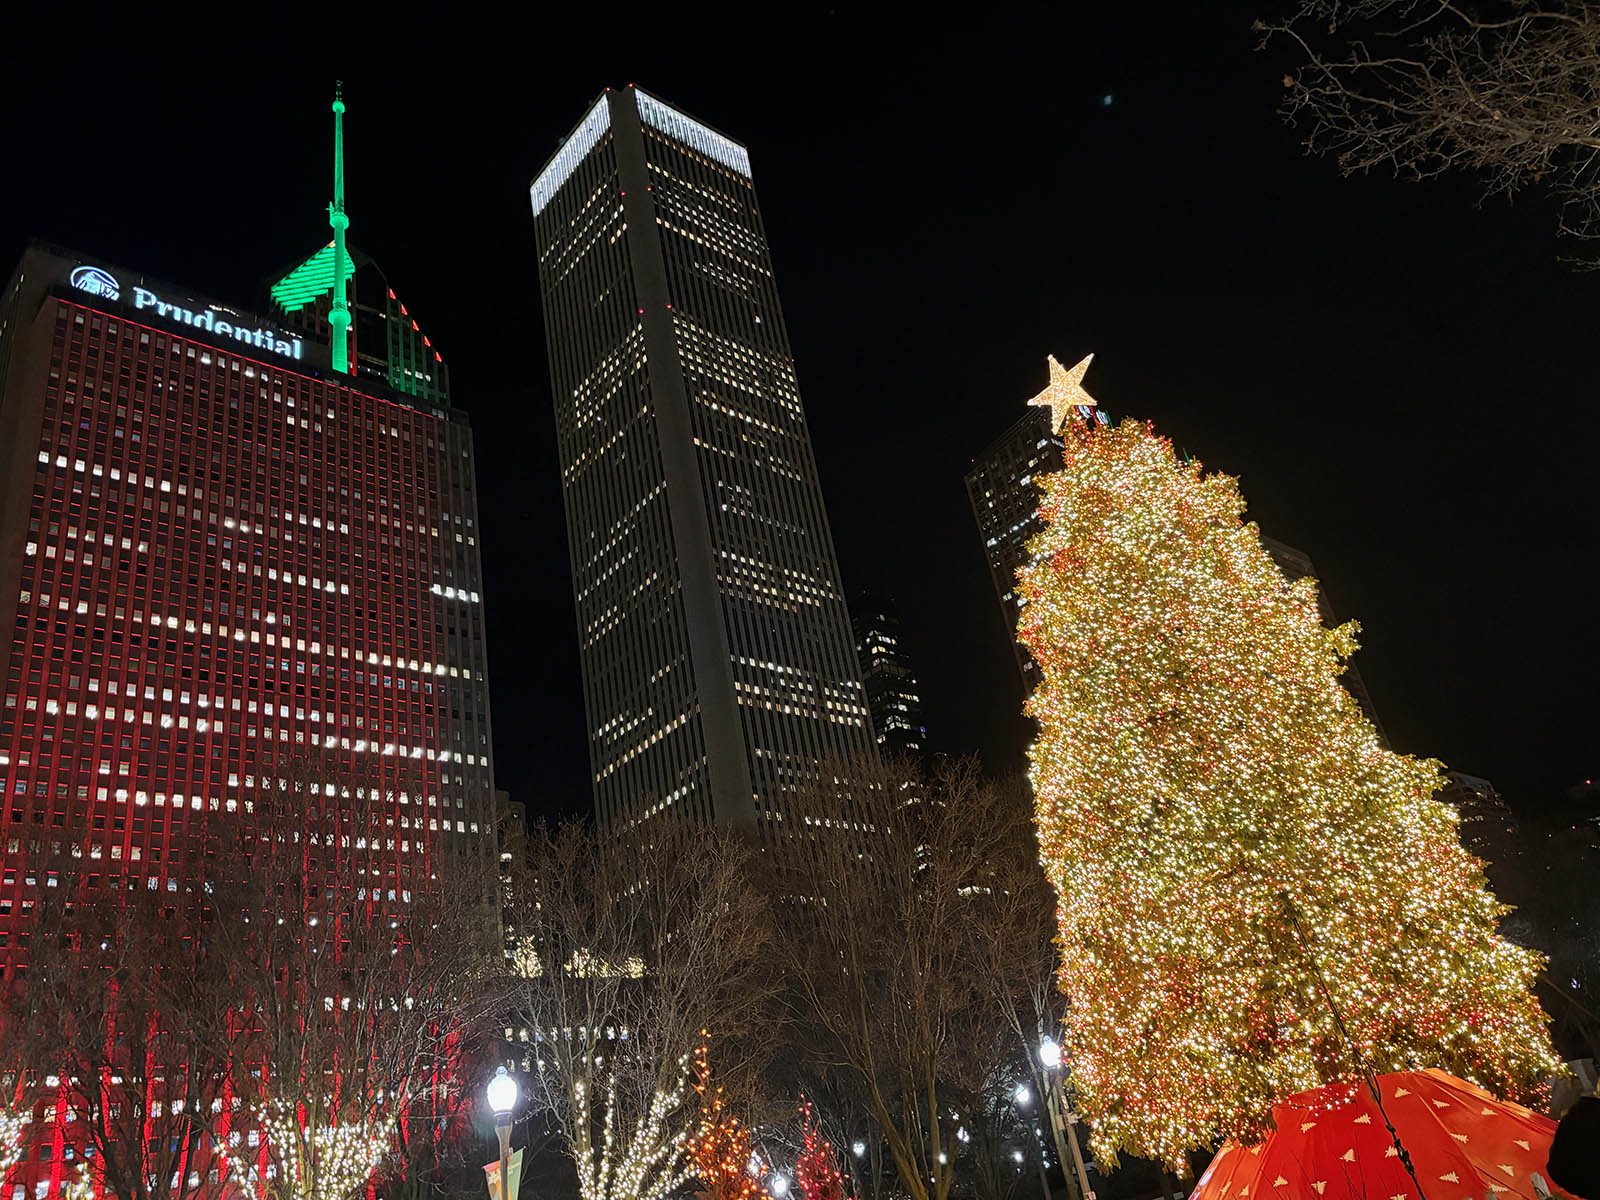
{"points": [[893, 694], [1488, 827], [216, 556], [208, 538], [226, 568], [718, 667], [1003, 489]]}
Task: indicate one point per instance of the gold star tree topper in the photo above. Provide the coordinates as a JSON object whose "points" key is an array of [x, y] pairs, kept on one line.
{"points": [[1065, 391]]}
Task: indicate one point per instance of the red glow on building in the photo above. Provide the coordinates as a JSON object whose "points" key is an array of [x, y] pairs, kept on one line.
{"points": [[215, 558]]}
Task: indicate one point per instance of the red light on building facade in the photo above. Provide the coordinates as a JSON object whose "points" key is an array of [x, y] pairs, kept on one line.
{"points": [[215, 559]]}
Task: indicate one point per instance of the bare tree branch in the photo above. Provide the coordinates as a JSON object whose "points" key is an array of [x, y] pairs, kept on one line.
{"points": [[901, 935], [1506, 90], [632, 951]]}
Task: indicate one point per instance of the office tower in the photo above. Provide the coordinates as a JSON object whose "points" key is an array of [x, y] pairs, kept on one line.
{"points": [[187, 486], [1488, 827], [1297, 564], [216, 554], [225, 570], [1003, 489], [893, 696], [718, 666]]}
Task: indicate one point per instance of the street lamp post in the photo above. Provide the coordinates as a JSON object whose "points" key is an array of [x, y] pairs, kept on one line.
{"points": [[1060, 1114], [502, 1093], [1022, 1098]]}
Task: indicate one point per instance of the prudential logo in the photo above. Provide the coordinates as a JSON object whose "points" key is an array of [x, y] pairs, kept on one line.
{"points": [[96, 282]]}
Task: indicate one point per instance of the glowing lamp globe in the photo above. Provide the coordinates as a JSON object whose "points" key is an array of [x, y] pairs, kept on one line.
{"points": [[860, 1149], [1050, 1053], [502, 1093], [778, 1185]]}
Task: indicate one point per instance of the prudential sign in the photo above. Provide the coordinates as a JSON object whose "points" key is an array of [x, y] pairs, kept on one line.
{"points": [[97, 281]]}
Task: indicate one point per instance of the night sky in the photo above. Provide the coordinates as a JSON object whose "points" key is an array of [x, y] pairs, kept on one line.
{"points": [[1403, 379]]}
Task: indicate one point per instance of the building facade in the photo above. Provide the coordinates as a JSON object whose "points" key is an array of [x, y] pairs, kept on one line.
{"points": [[220, 557], [893, 695], [718, 665], [1003, 488]]}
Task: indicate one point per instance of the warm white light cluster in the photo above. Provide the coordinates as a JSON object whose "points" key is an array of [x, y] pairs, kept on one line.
{"points": [[1256, 897], [11, 1126], [325, 1163], [645, 1162], [79, 1185]]}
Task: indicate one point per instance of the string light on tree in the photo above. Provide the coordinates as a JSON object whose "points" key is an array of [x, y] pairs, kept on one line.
{"points": [[719, 1150], [12, 1125], [817, 1172], [323, 1163], [1235, 853], [643, 1162]]}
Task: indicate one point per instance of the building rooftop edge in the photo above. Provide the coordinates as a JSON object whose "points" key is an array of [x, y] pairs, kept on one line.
{"points": [[656, 112], [306, 368]]}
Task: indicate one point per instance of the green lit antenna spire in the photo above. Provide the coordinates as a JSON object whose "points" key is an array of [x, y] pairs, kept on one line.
{"points": [[339, 314]]}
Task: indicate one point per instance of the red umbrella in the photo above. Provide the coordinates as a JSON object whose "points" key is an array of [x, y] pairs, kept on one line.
{"points": [[1331, 1143]]}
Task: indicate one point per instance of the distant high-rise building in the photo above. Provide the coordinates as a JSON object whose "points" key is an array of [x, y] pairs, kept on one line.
{"points": [[1297, 564], [1488, 827], [1004, 490], [893, 695], [718, 666]]}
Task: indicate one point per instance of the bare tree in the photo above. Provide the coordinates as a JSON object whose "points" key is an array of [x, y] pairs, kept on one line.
{"points": [[633, 949], [1502, 89], [364, 982], [889, 874], [842, 1110], [1016, 960], [126, 1016], [19, 1089]]}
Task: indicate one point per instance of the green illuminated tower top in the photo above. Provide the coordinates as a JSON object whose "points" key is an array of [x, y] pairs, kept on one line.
{"points": [[341, 295], [339, 317]]}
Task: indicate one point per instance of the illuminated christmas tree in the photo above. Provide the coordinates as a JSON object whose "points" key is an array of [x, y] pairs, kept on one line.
{"points": [[1255, 896], [719, 1150], [816, 1171]]}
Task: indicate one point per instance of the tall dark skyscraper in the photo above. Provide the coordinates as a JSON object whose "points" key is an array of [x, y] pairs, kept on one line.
{"points": [[718, 665], [1004, 491], [893, 694], [1488, 826]]}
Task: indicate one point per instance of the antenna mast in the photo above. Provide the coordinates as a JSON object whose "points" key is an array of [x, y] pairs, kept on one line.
{"points": [[339, 315]]}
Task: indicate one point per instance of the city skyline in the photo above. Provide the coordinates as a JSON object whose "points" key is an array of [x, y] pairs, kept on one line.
{"points": [[1377, 442]]}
